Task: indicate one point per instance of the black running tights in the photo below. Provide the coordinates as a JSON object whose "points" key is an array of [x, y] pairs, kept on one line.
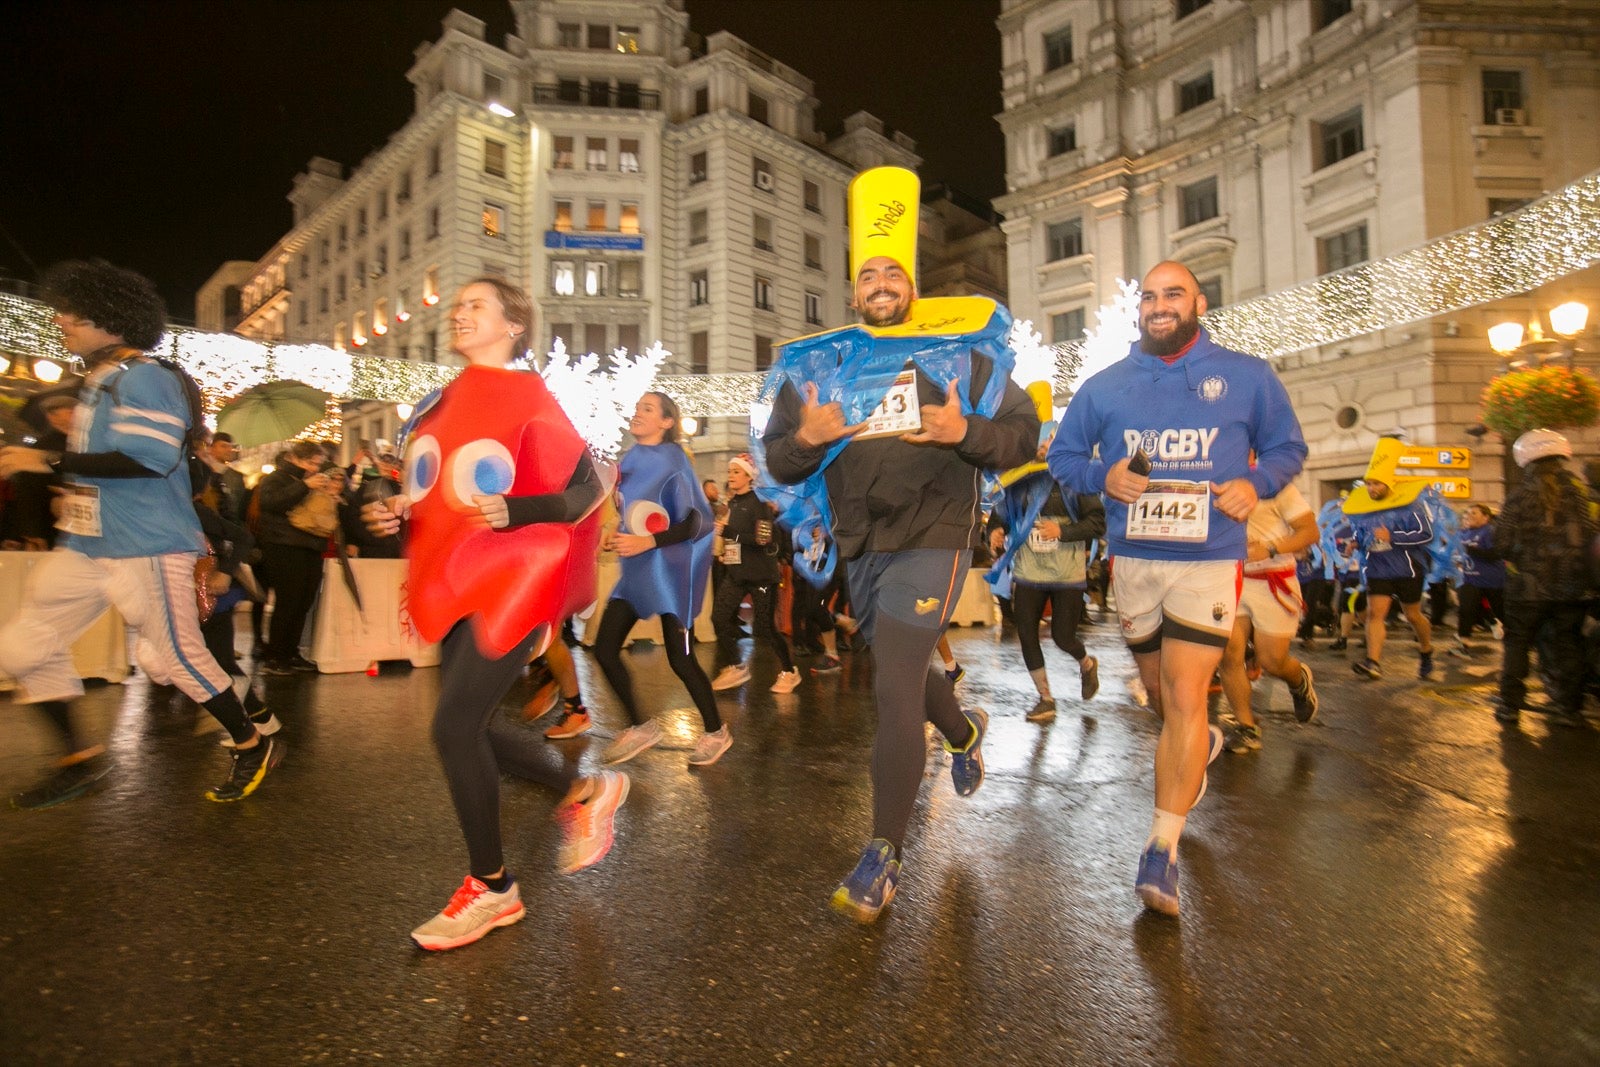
{"points": [[619, 618]]}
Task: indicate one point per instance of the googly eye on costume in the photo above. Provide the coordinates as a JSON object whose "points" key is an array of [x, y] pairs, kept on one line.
{"points": [[422, 466], [482, 467], [647, 517]]}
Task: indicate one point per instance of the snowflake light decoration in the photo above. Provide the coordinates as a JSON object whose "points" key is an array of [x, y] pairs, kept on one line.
{"points": [[600, 402]]}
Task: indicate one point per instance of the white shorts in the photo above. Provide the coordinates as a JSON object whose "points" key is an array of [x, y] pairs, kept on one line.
{"points": [[1186, 601], [1275, 613]]}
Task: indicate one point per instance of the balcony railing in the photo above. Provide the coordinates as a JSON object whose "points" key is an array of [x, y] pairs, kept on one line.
{"points": [[598, 96]]}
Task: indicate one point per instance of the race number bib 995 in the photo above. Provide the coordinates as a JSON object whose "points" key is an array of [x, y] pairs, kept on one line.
{"points": [[80, 510], [1171, 511]]}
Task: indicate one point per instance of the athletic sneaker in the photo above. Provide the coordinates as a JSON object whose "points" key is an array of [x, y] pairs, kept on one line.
{"points": [[587, 826], [1497, 630], [266, 725], [966, 763], [1090, 669], [473, 911], [828, 665], [1241, 738], [64, 784], [546, 693], [731, 677], [787, 681], [1157, 884], [871, 886], [1043, 711], [1305, 698], [573, 721], [710, 747], [277, 667], [300, 663], [1425, 665], [632, 741], [1368, 668], [1214, 733], [250, 767], [956, 676], [1339, 644]]}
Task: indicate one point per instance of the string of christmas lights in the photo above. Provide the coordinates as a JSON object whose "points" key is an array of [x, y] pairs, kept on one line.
{"points": [[1514, 253]]}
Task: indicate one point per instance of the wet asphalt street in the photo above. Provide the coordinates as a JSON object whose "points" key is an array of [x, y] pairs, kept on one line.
{"points": [[1403, 881]]}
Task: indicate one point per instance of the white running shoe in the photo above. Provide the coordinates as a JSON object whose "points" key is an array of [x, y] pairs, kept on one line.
{"points": [[632, 741], [788, 681], [710, 747], [473, 911], [731, 677], [588, 826]]}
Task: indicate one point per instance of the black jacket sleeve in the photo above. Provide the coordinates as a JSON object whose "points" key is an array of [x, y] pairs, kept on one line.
{"points": [[571, 504]]}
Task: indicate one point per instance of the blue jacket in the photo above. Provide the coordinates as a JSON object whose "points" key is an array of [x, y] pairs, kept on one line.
{"points": [[1481, 570], [138, 408], [1410, 533], [1197, 420]]}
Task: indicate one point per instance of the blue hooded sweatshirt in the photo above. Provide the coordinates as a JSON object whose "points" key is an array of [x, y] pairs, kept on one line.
{"points": [[1197, 420]]}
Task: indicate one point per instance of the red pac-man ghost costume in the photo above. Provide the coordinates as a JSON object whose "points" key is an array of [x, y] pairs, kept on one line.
{"points": [[494, 432]]}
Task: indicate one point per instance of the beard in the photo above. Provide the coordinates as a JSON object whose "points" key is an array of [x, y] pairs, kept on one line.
{"points": [[1172, 343], [893, 315]]}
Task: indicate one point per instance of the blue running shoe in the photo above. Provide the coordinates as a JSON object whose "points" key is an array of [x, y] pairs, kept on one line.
{"points": [[966, 764], [1157, 884], [956, 676], [871, 886]]}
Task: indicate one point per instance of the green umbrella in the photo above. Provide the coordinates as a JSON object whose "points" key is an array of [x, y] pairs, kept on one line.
{"points": [[273, 411]]}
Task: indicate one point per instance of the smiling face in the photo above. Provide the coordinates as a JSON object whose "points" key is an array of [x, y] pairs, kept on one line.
{"points": [[883, 292], [738, 480], [650, 423], [1170, 306], [480, 333]]}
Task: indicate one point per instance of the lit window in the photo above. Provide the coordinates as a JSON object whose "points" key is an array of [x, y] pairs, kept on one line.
{"points": [[628, 40], [430, 287], [380, 317], [563, 278], [630, 219], [597, 215], [494, 220], [563, 153], [594, 279], [563, 216], [340, 332], [628, 156], [596, 153]]}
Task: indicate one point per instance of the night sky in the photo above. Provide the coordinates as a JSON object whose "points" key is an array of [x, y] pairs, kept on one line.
{"points": [[164, 134]]}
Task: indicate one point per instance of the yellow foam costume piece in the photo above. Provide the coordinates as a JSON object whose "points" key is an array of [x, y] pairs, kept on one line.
{"points": [[885, 203], [1384, 467], [1044, 406]]}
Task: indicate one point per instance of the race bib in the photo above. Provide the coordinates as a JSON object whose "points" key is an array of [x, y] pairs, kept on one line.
{"points": [[1171, 511], [1040, 543], [898, 412], [80, 510], [731, 553]]}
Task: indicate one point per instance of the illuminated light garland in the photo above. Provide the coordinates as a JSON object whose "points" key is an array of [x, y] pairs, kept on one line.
{"points": [[1503, 257], [1116, 326], [600, 402]]}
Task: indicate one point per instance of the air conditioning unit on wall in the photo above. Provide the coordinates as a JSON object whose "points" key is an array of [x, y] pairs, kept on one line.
{"points": [[764, 180], [1510, 116]]}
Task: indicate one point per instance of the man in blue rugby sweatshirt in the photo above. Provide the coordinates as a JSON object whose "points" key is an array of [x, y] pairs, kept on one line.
{"points": [[1165, 434]]}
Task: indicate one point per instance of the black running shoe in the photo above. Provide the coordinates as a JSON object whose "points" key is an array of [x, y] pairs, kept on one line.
{"points": [[250, 766], [66, 783]]}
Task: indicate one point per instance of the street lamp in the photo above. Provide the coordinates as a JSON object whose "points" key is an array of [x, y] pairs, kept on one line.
{"points": [[1516, 343]]}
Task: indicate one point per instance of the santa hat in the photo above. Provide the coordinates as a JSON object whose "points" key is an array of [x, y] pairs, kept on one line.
{"points": [[745, 463]]}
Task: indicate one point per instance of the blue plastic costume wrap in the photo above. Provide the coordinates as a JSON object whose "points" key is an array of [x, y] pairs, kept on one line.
{"points": [[855, 368], [1446, 534], [1019, 508], [658, 488]]}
